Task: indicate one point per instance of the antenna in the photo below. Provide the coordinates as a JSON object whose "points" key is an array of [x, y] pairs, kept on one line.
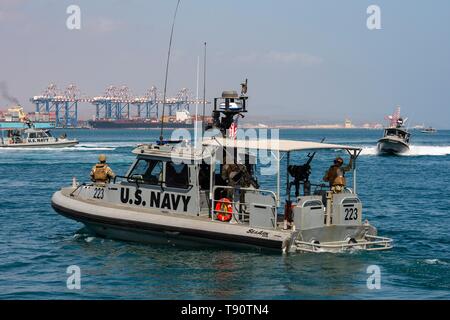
{"points": [[196, 105], [204, 90], [196, 96], [161, 137]]}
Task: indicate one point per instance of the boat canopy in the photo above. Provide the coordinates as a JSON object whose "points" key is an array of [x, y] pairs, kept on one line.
{"points": [[186, 152], [276, 145], [177, 151]]}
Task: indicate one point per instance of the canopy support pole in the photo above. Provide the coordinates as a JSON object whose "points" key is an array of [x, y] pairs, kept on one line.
{"points": [[278, 159], [288, 191], [355, 156], [212, 170], [354, 175], [278, 178]]}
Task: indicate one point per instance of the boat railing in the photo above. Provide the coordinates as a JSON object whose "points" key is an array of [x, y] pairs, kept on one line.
{"points": [[239, 207], [367, 243]]}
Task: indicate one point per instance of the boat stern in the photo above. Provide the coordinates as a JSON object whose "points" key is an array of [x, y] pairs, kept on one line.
{"points": [[336, 227], [340, 239]]}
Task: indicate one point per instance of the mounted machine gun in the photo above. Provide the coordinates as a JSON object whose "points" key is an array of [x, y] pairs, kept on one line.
{"points": [[301, 174]]}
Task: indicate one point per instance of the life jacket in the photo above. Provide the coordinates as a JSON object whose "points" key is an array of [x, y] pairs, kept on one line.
{"points": [[101, 172], [224, 209]]}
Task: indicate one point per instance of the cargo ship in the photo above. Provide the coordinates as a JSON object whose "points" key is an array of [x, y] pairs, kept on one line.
{"points": [[135, 124], [182, 119]]}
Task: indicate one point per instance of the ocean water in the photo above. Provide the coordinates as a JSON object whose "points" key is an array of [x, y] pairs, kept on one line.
{"points": [[406, 197]]}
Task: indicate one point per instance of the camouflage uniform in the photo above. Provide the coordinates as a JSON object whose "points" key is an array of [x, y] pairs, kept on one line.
{"points": [[335, 176]]}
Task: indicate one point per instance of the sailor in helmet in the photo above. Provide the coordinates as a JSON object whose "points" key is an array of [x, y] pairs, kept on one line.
{"points": [[101, 173], [335, 175]]}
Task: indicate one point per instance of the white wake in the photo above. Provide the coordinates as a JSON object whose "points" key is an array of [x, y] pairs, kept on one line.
{"points": [[74, 148], [414, 151], [92, 146]]}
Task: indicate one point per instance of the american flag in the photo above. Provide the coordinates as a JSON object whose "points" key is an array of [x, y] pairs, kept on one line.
{"points": [[232, 132], [393, 119]]}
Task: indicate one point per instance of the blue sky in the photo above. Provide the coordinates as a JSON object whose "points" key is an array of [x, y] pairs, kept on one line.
{"points": [[310, 60]]}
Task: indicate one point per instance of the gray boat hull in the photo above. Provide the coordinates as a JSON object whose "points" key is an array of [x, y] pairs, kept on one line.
{"points": [[154, 228], [128, 224], [392, 146], [58, 144]]}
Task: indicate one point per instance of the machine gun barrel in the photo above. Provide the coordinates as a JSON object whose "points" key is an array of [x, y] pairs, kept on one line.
{"points": [[311, 157], [301, 174]]}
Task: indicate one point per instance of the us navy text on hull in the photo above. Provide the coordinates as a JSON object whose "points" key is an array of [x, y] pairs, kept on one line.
{"points": [[158, 200]]}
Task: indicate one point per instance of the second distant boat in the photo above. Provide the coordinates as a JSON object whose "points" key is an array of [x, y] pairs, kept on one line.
{"points": [[429, 130]]}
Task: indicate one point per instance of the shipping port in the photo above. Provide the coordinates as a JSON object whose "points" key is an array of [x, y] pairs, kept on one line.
{"points": [[116, 108]]}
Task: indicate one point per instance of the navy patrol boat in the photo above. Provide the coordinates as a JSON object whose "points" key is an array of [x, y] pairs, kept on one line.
{"points": [[26, 134], [396, 138], [429, 130], [207, 195]]}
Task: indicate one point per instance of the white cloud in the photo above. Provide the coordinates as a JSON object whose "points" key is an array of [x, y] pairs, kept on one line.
{"points": [[104, 25], [293, 57], [10, 16], [11, 3], [280, 57]]}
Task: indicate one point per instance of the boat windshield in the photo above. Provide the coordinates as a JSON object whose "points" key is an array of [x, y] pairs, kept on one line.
{"points": [[395, 132], [147, 171], [38, 135]]}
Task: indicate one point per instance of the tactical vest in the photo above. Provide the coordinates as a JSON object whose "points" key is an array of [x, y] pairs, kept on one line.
{"points": [[339, 180], [100, 172]]}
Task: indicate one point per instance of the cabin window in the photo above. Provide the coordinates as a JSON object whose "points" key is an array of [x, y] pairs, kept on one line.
{"points": [[32, 135], [147, 171], [177, 175]]}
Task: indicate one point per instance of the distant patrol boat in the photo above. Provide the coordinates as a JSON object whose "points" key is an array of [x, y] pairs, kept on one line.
{"points": [[429, 130], [396, 138], [28, 136], [178, 194]]}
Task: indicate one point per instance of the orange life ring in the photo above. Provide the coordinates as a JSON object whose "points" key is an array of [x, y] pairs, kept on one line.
{"points": [[225, 209]]}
